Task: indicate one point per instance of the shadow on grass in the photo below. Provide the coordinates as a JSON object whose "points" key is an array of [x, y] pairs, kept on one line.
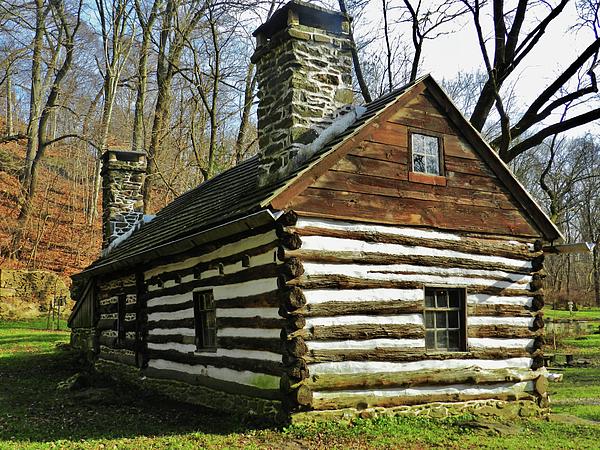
{"points": [[33, 409], [31, 339]]}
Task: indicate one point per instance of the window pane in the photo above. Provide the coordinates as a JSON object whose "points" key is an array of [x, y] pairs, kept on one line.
{"points": [[440, 319], [429, 320], [430, 145], [418, 163], [442, 299], [453, 319], [418, 143], [211, 319], [429, 298], [433, 165], [454, 340], [454, 299], [430, 339], [442, 339]]}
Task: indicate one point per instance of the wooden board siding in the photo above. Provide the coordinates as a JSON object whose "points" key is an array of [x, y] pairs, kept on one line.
{"points": [[243, 277], [371, 183], [363, 341]]}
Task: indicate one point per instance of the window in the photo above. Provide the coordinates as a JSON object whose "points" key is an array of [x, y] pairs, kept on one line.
{"points": [[445, 319], [425, 151], [205, 320]]}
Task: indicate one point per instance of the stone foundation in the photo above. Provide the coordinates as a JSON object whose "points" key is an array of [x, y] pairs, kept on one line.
{"points": [[495, 409], [83, 339], [251, 407]]}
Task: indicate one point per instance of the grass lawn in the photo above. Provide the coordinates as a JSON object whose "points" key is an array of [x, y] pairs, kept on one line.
{"points": [[34, 414], [585, 313]]}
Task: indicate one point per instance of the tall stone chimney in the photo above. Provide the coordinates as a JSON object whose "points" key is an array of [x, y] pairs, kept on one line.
{"points": [[304, 68], [123, 174]]}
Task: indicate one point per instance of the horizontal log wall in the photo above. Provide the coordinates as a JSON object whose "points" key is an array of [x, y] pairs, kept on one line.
{"points": [[244, 277], [363, 339], [110, 347]]}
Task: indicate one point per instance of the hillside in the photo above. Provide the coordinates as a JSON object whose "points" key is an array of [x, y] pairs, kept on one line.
{"points": [[57, 238]]}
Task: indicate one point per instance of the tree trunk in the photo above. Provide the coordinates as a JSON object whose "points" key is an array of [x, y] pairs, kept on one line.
{"points": [[35, 98], [9, 109], [245, 120], [596, 272], [364, 89]]}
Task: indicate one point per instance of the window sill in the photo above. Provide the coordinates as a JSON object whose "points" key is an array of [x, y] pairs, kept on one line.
{"points": [[204, 350], [425, 178], [457, 353]]}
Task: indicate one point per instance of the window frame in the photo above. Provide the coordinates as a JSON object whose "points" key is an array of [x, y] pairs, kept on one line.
{"points": [[121, 314], [202, 317], [424, 177], [462, 316]]}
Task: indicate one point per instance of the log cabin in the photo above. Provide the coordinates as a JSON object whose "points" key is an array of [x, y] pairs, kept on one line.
{"points": [[371, 259]]}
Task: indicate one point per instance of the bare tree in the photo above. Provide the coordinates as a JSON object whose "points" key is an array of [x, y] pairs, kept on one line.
{"points": [[117, 37], [511, 45], [68, 25], [428, 22], [146, 23], [364, 89]]}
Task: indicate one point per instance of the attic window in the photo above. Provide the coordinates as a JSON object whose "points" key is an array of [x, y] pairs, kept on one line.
{"points": [[425, 153]]}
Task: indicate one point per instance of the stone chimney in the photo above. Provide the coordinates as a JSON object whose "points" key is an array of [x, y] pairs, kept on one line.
{"points": [[304, 68], [123, 174]]}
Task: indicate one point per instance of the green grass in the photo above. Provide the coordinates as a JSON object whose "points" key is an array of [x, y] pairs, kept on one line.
{"points": [[34, 414], [39, 323], [586, 313], [579, 394], [582, 347]]}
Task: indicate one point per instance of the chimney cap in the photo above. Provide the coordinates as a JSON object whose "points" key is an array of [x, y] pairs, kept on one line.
{"points": [[309, 15], [122, 155]]}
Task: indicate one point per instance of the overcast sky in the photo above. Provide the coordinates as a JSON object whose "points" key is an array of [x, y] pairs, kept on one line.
{"points": [[458, 51]]}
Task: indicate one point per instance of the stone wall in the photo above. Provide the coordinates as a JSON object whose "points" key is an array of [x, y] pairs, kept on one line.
{"points": [[122, 200], [203, 396], [305, 82], [494, 409], [83, 340], [25, 293]]}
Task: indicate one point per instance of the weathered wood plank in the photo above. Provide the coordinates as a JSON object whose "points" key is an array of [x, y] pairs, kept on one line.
{"points": [[345, 282], [466, 245], [204, 266], [374, 308], [469, 375], [409, 354], [264, 300], [356, 206], [397, 399], [372, 258], [252, 273], [362, 331], [349, 282], [404, 189], [242, 364], [222, 322], [500, 331], [212, 383], [498, 310]]}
